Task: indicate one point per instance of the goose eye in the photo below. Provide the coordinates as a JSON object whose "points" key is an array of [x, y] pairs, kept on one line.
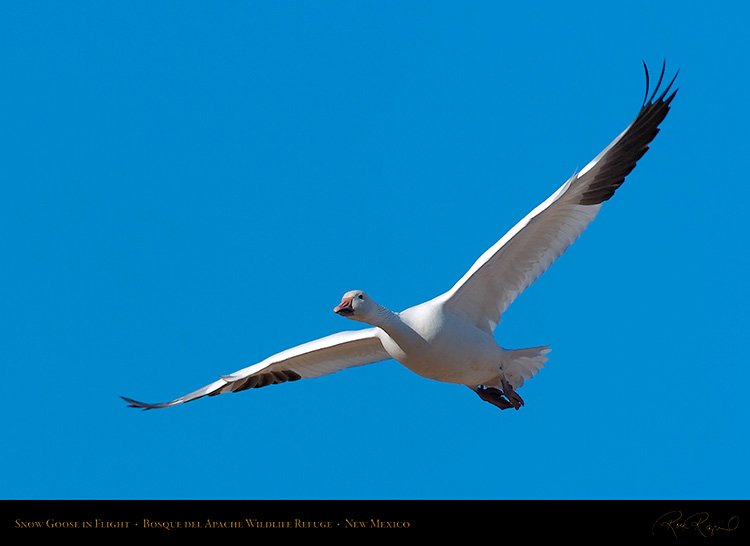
{"points": [[361, 297]]}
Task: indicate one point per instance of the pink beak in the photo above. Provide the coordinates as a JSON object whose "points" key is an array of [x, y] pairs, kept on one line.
{"points": [[345, 307]]}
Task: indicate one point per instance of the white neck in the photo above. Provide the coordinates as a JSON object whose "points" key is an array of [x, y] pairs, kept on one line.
{"points": [[397, 329]]}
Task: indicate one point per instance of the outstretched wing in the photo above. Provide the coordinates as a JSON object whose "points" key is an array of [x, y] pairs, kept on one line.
{"points": [[527, 250], [320, 357]]}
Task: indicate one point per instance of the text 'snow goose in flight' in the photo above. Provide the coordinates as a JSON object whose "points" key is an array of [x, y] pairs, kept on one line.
{"points": [[450, 338]]}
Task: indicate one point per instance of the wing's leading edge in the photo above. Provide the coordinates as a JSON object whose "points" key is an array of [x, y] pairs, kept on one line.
{"points": [[320, 357], [513, 263]]}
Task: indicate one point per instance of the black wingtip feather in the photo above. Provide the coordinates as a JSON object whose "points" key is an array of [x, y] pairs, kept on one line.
{"points": [[658, 84], [251, 382], [140, 405], [621, 159]]}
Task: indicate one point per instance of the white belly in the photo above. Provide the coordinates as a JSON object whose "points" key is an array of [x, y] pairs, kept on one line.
{"points": [[447, 349]]}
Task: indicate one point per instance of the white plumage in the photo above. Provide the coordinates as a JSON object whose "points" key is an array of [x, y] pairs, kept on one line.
{"points": [[451, 337]]}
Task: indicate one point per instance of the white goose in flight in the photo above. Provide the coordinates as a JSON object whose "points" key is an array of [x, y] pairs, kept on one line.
{"points": [[450, 338]]}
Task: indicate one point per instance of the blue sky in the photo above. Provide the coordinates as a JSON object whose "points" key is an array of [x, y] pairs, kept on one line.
{"points": [[190, 187]]}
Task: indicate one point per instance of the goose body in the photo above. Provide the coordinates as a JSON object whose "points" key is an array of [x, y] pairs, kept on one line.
{"points": [[430, 341], [451, 337]]}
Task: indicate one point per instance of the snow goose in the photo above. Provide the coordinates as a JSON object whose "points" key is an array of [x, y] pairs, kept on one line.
{"points": [[451, 338]]}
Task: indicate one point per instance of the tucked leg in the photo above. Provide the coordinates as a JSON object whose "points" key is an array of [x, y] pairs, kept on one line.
{"points": [[493, 396], [511, 394]]}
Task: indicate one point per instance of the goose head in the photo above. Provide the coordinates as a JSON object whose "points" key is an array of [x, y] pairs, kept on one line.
{"points": [[357, 305]]}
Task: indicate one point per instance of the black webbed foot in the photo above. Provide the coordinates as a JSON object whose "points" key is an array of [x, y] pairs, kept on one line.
{"points": [[512, 395], [493, 396]]}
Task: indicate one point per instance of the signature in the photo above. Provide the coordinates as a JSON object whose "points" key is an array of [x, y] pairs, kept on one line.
{"points": [[697, 522]]}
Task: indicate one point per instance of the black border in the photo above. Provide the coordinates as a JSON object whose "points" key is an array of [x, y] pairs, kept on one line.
{"points": [[670, 521]]}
